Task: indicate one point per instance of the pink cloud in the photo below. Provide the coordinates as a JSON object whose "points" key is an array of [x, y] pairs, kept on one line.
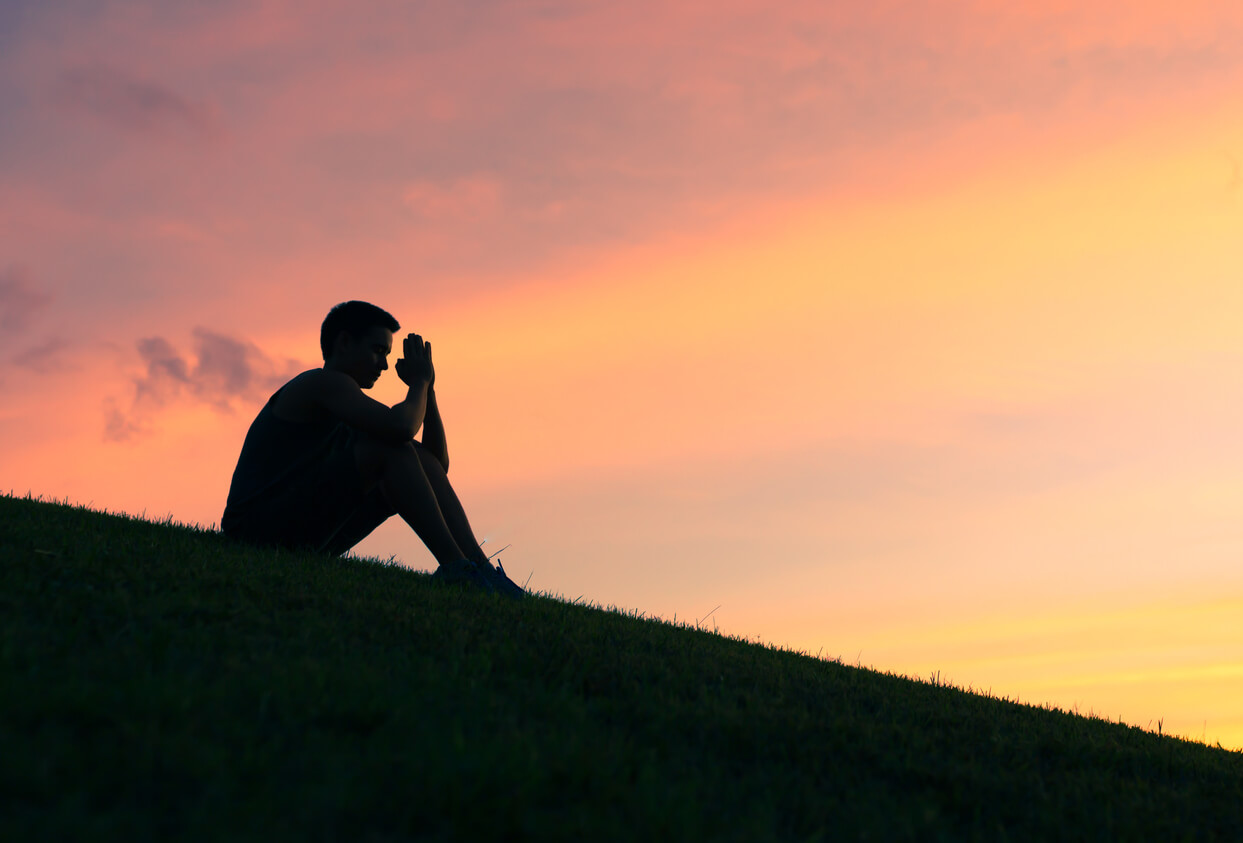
{"points": [[45, 357], [20, 299], [134, 104], [225, 370], [471, 198]]}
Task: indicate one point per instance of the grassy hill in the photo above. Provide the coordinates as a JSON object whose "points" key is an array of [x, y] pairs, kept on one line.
{"points": [[160, 682]]}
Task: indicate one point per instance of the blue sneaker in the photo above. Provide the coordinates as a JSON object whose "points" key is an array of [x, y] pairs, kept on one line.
{"points": [[501, 583], [463, 572]]}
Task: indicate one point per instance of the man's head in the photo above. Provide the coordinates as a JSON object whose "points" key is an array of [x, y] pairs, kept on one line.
{"points": [[356, 338], [355, 318]]}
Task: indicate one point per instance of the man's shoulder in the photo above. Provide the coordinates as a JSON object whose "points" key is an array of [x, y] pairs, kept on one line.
{"points": [[314, 380], [308, 396]]}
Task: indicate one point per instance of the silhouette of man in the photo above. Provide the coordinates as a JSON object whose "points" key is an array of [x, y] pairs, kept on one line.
{"points": [[323, 464]]}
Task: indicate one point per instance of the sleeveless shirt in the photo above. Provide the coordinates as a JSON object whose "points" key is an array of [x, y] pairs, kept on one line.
{"points": [[273, 449]]}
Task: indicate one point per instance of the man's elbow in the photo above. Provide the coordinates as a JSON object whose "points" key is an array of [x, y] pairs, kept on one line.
{"points": [[400, 428]]}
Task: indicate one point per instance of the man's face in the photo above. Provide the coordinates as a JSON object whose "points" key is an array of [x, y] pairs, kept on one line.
{"points": [[364, 358]]}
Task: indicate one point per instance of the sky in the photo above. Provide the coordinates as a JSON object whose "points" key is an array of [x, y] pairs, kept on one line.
{"points": [[901, 334]]}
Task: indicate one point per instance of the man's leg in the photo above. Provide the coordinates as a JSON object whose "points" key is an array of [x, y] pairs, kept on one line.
{"points": [[400, 474], [371, 513], [450, 507], [414, 483]]}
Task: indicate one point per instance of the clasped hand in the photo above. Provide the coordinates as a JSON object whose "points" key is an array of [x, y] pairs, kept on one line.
{"points": [[415, 365]]}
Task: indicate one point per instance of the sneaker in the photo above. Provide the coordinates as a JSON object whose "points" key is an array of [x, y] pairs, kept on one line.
{"points": [[462, 572], [501, 583]]}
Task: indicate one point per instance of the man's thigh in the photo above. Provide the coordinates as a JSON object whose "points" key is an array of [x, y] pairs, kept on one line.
{"points": [[373, 511]]}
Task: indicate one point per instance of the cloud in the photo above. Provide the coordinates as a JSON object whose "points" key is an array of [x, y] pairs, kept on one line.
{"points": [[20, 300], [598, 123], [229, 369], [119, 426], [224, 370], [134, 104], [470, 198], [166, 373], [43, 358]]}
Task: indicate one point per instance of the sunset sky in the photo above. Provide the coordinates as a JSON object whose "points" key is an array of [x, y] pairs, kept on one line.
{"points": [[905, 334]]}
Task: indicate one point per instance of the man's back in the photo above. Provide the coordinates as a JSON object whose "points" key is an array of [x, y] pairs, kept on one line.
{"points": [[274, 446]]}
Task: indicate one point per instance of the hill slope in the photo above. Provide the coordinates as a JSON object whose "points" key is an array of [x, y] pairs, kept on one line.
{"points": [[159, 681]]}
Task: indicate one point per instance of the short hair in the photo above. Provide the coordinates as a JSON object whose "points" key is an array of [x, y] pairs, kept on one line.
{"points": [[354, 318]]}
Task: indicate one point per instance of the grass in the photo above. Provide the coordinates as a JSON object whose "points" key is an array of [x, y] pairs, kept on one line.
{"points": [[158, 681]]}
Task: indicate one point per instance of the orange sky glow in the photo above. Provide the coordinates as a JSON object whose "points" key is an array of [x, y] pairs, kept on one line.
{"points": [[906, 338]]}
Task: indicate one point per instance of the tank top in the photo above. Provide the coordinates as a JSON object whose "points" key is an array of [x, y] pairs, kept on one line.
{"points": [[273, 449]]}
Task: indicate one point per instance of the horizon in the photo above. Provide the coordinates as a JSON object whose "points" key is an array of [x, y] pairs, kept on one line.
{"points": [[903, 337]]}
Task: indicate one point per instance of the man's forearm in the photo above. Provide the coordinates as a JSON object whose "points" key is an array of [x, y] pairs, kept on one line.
{"points": [[413, 411], [434, 431]]}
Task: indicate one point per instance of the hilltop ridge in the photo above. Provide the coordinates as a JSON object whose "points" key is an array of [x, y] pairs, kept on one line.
{"points": [[165, 681]]}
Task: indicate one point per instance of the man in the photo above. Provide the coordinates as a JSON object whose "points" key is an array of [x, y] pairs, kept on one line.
{"points": [[323, 464]]}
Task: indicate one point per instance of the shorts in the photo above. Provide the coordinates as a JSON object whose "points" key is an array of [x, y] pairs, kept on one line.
{"points": [[320, 505]]}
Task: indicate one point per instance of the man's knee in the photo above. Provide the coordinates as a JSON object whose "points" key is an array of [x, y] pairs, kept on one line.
{"points": [[430, 462]]}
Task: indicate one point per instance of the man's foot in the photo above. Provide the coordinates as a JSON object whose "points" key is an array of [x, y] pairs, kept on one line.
{"points": [[501, 583], [463, 572]]}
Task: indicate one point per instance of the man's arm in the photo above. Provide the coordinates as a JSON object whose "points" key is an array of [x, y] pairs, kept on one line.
{"points": [[341, 397], [434, 430]]}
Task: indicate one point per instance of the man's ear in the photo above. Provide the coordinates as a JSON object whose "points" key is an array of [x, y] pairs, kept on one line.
{"points": [[342, 342]]}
